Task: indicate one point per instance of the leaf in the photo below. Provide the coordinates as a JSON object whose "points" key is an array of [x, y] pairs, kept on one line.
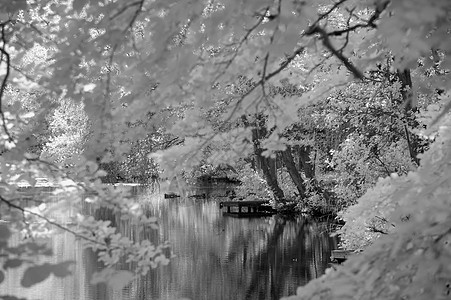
{"points": [[35, 274], [120, 279], [115, 279], [61, 269], [102, 276], [12, 263], [5, 234]]}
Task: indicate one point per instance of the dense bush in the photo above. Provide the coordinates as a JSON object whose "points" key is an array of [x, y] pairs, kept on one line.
{"points": [[253, 186]]}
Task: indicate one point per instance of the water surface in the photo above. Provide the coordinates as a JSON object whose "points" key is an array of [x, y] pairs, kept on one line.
{"points": [[216, 257]]}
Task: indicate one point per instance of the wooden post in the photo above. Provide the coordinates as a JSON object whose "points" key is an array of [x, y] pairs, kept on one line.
{"points": [[341, 255]]}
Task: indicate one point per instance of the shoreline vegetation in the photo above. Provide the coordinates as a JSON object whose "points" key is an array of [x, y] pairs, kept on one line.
{"points": [[330, 108], [288, 208]]}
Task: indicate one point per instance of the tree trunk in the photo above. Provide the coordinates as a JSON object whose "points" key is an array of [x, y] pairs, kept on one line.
{"points": [[270, 177], [409, 113], [406, 89], [305, 163], [266, 164], [288, 161], [308, 167], [272, 166]]}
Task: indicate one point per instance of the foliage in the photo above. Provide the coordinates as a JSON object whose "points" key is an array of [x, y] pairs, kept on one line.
{"points": [[137, 166], [69, 130], [371, 120], [411, 260], [368, 219], [359, 168], [253, 186], [166, 64]]}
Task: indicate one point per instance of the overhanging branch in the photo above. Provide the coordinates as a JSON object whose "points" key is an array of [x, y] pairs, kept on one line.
{"points": [[10, 204], [326, 42]]}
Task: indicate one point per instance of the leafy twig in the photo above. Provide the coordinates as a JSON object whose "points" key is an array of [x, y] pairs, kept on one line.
{"points": [[384, 220], [327, 13], [370, 23], [326, 42], [23, 210], [242, 41], [265, 64]]}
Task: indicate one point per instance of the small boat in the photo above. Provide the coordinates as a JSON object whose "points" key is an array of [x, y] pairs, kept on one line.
{"points": [[171, 195], [200, 196]]}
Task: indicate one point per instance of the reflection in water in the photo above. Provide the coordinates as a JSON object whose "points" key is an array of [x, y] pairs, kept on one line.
{"points": [[216, 257]]}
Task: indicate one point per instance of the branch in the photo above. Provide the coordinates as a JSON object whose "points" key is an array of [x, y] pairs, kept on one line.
{"points": [[32, 26], [125, 7], [4, 81], [326, 42], [23, 210], [265, 64], [387, 171], [370, 23], [135, 15], [375, 230], [315, 28], [173, 142], [348, 22], [244, 39]]}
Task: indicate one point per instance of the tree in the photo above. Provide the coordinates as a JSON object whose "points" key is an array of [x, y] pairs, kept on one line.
{"points": [[68, 133], [126, 61]]}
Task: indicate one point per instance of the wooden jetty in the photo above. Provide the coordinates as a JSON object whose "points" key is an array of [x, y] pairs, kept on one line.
{"points": [[339, 256], [246, 209], [195, 196]]}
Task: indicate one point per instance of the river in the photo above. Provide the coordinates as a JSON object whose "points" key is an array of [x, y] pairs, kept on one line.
{"points": [[215, 257]]}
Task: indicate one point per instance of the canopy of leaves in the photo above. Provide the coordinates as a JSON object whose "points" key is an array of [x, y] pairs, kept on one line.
{"points": [[202, 71]]}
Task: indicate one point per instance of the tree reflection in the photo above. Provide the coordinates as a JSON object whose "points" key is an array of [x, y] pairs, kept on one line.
{"points": [[216, 257]]}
